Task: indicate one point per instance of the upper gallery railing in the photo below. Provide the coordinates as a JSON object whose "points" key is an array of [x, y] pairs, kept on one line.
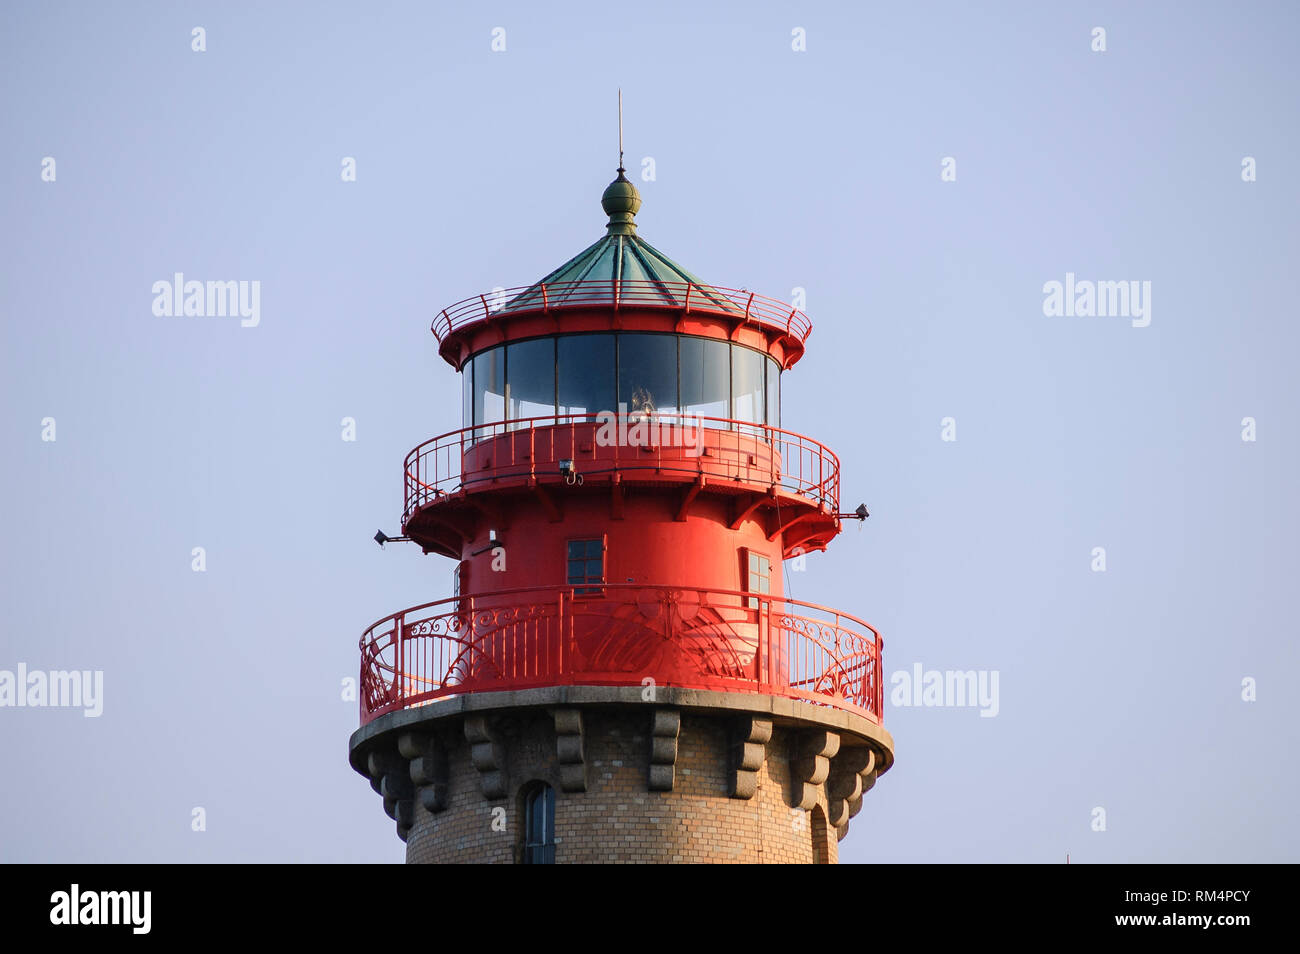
{"points": [[734, 303], [685, 443]]}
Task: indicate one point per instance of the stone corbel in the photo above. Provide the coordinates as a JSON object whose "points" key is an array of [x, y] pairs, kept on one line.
{"points": [[664, 730], [389, 777], [570, 749], [845, 786], [428, 768], [810, 764], [748, 750], [488, 755]]}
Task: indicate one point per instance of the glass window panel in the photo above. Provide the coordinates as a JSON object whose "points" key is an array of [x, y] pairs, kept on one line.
{"points": [[747, 385], [467, 398], [489, 388], [760, 577], [647, 373], [584, 549], [536, 826], [585, 565], [530, 368], [585, 367], [706, 377], [539, 826], [773, 393]]}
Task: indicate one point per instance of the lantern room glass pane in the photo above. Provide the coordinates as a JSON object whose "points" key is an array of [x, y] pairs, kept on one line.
{"points": [[706, 379], [773, 393], [467, 395], [647, 373], [585, 374], [489, 388], [747, 385], [530, 371]]}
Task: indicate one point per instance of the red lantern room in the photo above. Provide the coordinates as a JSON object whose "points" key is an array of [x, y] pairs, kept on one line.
{"points": [[619, 502]]}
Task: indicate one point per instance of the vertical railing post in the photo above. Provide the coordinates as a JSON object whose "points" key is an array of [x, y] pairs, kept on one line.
{"points": [[869, 688], [469, 650], [620, 422], [656, 433], [775, 452], [563, 647], [764, 634], [361, 683], [400, 657], [821, 471], [880, 677]]}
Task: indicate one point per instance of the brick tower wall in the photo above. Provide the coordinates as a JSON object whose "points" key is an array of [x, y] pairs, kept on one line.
{"points": [[619, 818]]}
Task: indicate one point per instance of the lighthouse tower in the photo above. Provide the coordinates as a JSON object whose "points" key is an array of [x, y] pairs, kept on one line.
{"points": [[617, 674]]}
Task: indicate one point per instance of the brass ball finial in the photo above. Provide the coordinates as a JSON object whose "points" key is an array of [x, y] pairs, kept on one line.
{"points": [[621, 202]]}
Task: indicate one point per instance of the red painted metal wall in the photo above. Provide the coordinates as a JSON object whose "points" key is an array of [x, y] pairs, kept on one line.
{"points": [[647, 546]]}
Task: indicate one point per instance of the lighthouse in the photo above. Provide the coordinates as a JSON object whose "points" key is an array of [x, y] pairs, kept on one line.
{"points": [[616, 674]]}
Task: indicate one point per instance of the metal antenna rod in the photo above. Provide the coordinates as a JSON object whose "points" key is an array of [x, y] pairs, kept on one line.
{"points": [[620, 129]]}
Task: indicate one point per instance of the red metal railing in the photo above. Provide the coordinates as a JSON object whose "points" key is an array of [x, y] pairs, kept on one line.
{"points": [[713, 446], [627, 634], [686, 297]]}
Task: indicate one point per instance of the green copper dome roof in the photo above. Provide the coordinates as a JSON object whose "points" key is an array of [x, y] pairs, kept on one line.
{"points": [[620, 260]]}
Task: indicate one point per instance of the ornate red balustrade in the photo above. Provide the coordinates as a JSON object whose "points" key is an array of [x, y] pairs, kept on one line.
{"points": [[621, 635], [732, 303], [680, 445]]}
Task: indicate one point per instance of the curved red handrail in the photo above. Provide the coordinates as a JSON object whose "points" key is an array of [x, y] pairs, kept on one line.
{"points": [[758, 453], [712, 639], [737, 303]]}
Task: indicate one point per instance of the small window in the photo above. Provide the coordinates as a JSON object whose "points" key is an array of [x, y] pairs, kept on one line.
{"points": [[758, 576], [586, 565], [821, 837], [539, 825], [460, 581]]}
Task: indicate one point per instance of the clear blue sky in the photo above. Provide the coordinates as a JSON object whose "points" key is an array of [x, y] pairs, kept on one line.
{"points": [[775, 169]]}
